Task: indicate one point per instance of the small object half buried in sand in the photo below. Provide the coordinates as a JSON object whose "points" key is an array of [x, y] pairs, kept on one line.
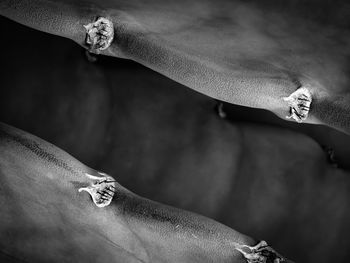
{"points": [[299, 102], [99, 34], [261, 253], [101, 189]]}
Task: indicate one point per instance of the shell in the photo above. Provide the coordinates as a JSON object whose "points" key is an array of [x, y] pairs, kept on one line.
{"points": [[102, 189], [261, 253], [299, 102], [99, 34]]}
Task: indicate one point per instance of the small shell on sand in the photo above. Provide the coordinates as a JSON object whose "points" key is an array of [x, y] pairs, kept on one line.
{"points": [[261, 253], [101, 189], [299, 102], [99, 34]]}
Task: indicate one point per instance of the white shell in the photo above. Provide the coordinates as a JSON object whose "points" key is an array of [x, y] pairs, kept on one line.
{"points": [[259, 253], [99, 34], [299, 102], [101, 189]]}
